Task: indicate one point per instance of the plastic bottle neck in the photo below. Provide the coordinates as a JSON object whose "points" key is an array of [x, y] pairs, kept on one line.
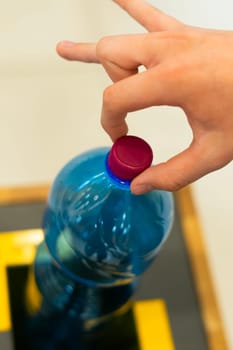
{"points": [[116, 181]]}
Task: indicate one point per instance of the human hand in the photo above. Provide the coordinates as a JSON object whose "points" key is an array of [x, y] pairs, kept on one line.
{"points": [[188, 67]]}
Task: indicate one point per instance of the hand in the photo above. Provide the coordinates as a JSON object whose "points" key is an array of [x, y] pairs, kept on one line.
{"points": [[185, 66]]}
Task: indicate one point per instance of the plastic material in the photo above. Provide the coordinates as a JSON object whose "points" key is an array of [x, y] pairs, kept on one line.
{"points": [[99, 236]]}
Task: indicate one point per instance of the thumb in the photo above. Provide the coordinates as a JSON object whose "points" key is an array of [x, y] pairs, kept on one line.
{"points": [[177, 172]]}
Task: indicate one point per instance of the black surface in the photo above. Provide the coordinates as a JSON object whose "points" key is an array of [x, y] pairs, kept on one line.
{"points": [[169, 278], [123, 326]]}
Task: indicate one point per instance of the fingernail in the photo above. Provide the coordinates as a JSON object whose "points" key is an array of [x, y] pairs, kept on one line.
{"points": [[67, 43], [142, 188]]}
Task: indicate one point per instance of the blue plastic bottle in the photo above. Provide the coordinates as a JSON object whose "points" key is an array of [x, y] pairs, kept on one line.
{"points": [[99, 238]]}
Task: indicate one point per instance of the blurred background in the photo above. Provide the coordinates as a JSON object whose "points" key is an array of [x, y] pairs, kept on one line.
{"points": [[49, 108]]}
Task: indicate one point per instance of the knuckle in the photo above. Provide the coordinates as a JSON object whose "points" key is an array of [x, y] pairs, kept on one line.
{"points": [[175, 71], [174, 184], [173, 187], [102, 48], [222, 160], [108, 97]]}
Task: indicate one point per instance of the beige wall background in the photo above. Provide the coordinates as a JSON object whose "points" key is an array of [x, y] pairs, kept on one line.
{"points": [[49, 108]]}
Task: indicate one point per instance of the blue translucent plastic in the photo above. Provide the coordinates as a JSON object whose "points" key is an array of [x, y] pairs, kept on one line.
{"points": [[66, 303], [97, 231], [99, 238]]}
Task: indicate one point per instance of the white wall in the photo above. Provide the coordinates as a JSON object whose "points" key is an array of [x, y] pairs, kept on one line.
{"points": [[49, 108]]}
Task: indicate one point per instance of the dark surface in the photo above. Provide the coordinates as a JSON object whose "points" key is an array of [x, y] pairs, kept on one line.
{"points": [[169, 278], [123, 324], [20, 217]]}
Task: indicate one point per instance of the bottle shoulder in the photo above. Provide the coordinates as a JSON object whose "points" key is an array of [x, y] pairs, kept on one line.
{"points": [[80, 171]]}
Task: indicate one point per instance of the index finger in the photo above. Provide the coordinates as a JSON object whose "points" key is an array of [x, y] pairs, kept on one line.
{"points": [[148, 16], [147, 89]]}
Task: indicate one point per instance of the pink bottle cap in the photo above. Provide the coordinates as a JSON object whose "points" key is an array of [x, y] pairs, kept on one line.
{"points": [[129, 156]]}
